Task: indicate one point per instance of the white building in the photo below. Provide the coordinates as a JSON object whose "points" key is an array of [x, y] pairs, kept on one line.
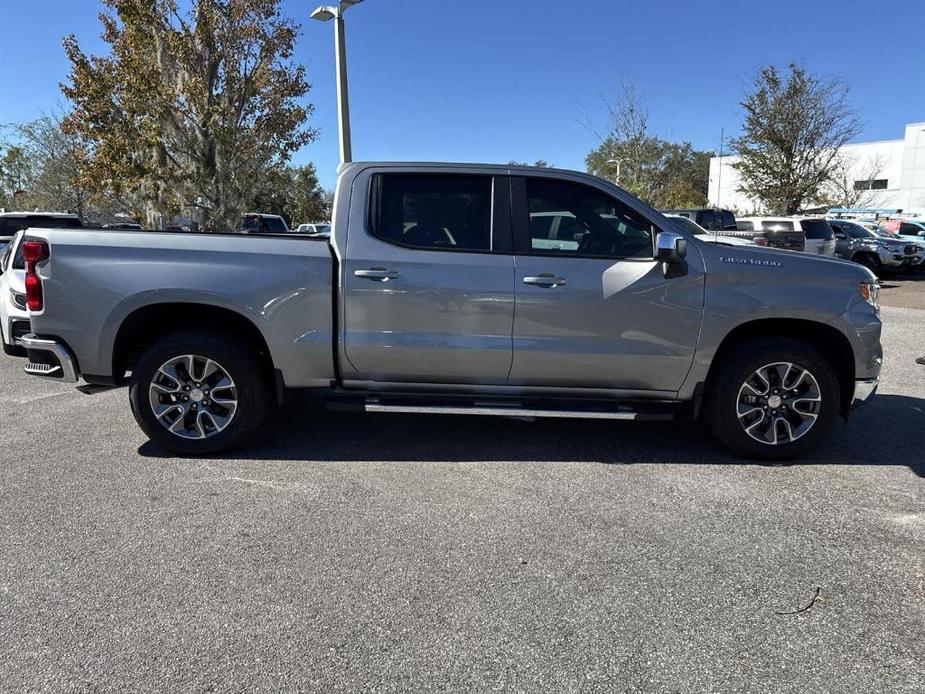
{"points": [[890, 172]]}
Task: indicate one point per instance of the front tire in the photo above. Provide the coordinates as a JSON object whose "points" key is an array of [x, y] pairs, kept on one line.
{"points": [[199, 392], [871, 262], [773, 399]]}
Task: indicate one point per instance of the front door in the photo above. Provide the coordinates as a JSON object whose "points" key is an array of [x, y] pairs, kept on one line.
{"points": [[593, 307], [428, 279]]}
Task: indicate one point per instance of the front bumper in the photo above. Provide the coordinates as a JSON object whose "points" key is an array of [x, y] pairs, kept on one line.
{"points": [[49, 358], [864, 390]]}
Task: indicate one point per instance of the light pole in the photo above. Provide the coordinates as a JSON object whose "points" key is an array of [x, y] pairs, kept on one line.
{"points": [[326, 13], [618, 162]]}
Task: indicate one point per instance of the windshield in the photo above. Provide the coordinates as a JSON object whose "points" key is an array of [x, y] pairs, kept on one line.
{"points": [[689, 224]]}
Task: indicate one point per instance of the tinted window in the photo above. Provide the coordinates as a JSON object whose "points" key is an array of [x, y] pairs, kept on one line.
{"points": [[777, 226], [816, 229], [274, 225], [910, 230], [854, 231], [588, 222], [729, 220], [707, 219], [743, 225], [437, 212], [53, 222], [691, 226]]}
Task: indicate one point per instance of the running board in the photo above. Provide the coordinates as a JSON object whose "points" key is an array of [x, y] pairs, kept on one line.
{"points": [[502, 411]]}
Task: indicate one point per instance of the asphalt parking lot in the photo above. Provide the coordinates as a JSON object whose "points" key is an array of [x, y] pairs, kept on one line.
{"points": [[398, 553]]}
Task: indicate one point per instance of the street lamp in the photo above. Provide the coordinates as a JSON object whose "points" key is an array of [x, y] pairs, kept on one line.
{"points": [[326, 13], [618, 162]]}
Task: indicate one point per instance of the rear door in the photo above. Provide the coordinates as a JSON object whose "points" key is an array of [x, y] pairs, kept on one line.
{"points": [[427, 278], [820, 238], [596, 310]]}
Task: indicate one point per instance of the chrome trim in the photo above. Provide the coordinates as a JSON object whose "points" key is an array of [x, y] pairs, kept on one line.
{"points": [[62, 354], [498, 411], [864, 390]]}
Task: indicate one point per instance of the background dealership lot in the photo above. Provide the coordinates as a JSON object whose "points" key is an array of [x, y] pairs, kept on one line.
{"points": [[393, 553]]}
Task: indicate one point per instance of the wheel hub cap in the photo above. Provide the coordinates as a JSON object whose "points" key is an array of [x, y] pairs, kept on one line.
{"points": [[193, 397], [779, 403]]}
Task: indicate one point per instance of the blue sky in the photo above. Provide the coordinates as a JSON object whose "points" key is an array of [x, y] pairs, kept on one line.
{"points": [[480, 80]]}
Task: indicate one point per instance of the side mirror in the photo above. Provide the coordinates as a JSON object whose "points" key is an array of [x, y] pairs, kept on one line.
{"points": [[670, 247], [670, 250]]}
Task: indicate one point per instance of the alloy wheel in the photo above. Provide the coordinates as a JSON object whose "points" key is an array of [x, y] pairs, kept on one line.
{"points": [[779, 403], [193, 397]]}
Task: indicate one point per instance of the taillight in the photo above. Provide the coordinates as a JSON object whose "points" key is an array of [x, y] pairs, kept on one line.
{"points": [[34, 252], [761, 240]]}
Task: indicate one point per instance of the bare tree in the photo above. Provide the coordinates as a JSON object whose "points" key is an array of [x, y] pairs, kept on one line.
{"points": [[851, 181], [794, 126]]}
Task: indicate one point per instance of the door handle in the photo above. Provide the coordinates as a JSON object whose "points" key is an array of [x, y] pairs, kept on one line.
{"points": [[377, 274], [546, 279]]}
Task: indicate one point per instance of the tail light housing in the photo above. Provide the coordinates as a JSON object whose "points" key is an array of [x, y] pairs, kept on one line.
{"points": [[33, 253], [761, 240]]}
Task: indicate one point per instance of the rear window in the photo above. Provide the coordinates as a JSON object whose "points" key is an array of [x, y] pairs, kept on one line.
{"points": [[707, 219], [743, 225], [777, 226], [817, 229], [10, 225]]}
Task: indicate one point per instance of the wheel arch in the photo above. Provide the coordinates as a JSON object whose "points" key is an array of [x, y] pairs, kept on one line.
{"points": [[147, 324], [829, 340]]}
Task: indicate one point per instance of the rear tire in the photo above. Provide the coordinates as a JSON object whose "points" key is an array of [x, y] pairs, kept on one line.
{"points": [[170, 387], [760, 404]]}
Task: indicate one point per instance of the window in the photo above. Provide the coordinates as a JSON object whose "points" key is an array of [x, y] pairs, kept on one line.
{"points": [[907, 229], [816, 229], [776, 226], [707, 219], [435, 212], [691, 226], [853, 231], [743, 225], [585, 222], [728, 220], [872, 184], [275, 225]]}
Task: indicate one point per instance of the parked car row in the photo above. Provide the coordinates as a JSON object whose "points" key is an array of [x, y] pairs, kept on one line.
{"points": [[881, 247]]}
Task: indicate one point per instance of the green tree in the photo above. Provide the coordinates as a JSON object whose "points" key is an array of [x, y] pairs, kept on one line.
{"points": [[194, 102], [16, 176], [294, 193], [794, 126], [539, 163], [59, 160], [664, 174]]}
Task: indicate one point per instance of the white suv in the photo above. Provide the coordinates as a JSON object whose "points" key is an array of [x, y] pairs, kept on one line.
{"points": [[820, 238], [14, 318]]}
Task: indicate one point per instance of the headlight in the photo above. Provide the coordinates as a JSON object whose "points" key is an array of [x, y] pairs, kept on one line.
{"points": [[870, 292], [18, 300]]}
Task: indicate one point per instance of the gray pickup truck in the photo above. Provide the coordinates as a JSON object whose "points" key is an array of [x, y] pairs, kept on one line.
{"points": [[458, 289]]}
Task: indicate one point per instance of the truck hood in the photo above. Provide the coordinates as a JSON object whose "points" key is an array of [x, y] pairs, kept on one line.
{"points": [[793, 261]]}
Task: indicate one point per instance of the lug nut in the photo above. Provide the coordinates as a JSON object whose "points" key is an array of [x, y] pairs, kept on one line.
{"points": [[185, 398]]}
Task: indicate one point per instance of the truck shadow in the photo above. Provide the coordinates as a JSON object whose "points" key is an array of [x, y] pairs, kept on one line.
{"points": [[887, 431]]}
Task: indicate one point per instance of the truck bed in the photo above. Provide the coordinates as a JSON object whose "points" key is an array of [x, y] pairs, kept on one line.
{"points": [[97, 280]]}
